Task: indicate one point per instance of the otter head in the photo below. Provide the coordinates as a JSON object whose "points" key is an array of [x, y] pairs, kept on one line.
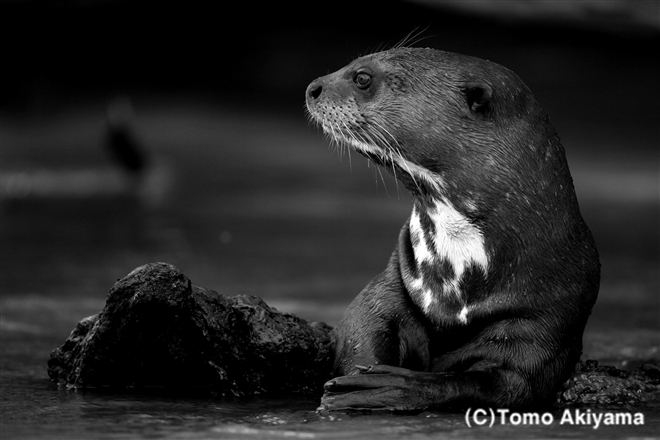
{"points": [[444, 124]]}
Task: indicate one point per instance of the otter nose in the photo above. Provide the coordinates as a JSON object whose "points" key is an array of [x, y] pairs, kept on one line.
{"points": [[314, 90]]}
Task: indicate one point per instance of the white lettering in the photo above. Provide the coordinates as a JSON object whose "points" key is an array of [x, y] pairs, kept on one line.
{"points": [[566, 418], [569, 417], [547, 419], [502, 412], [579, 417], [481, 413], [525, 418]]}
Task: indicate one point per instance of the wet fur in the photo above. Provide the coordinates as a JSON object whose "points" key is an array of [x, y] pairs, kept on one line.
{"points": [[469, 140]]}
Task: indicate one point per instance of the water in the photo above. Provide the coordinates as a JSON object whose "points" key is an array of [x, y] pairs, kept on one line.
{"points": [[48, 412]]}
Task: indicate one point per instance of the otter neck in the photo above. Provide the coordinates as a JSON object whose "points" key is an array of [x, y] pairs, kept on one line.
{"points": [[446, 249]]}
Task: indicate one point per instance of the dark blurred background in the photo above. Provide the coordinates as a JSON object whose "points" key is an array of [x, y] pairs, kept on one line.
{"points": [[142, 131]]}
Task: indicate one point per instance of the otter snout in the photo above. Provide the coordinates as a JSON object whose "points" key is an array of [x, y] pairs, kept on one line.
{"points": [[333, 88], [314, 90]]}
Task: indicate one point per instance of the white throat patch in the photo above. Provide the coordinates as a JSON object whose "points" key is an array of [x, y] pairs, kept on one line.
{"points": [[456, 242]]}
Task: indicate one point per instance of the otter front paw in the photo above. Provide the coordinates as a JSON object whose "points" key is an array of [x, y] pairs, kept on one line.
{"points": [[377, 387]]}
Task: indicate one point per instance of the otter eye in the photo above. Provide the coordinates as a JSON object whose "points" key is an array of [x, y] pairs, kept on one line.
{"points": [[362, 80]]}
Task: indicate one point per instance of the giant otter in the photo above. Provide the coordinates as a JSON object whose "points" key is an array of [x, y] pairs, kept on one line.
{"points": [[487, 293]]}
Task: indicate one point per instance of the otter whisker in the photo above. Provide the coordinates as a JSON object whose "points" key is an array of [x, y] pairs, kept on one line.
{"points": [[413, 37], [370, 140], [385, 183], [396, 178], [351, 134]]}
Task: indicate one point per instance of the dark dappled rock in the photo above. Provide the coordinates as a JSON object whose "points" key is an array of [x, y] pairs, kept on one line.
{"points": [[606, 385], [159, 329]]}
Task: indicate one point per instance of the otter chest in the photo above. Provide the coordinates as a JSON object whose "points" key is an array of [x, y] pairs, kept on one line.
{"points": [[448, 260]]}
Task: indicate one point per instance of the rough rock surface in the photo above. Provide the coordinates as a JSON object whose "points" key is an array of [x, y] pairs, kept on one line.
{"points": [[159, 329], [595, 385]]}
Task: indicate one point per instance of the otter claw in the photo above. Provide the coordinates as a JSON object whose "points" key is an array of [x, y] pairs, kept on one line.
{"points": [[364, 369]]}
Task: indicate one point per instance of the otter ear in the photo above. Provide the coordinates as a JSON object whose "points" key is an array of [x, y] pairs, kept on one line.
{"points": [[477, 96]]}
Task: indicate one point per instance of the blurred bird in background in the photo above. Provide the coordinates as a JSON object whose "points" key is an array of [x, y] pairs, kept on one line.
{"points": [[121, 141]]}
